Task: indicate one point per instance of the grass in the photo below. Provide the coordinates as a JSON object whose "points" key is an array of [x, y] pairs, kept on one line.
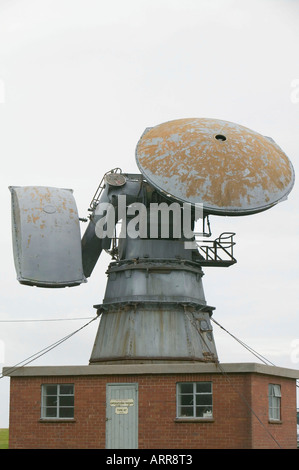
{"points": [[3, 438]]}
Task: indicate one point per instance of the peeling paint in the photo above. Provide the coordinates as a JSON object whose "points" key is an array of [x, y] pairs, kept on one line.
{"points": [[46, 237], [229, 168]]}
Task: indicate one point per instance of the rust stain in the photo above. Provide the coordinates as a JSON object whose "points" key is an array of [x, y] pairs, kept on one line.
{"points": [[185, 157], [43, 195], [32, 218], [35, 218], [28, 241]]}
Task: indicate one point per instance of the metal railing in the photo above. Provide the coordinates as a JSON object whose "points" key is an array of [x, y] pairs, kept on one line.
{"points": [[219, 251], [96, 197]]}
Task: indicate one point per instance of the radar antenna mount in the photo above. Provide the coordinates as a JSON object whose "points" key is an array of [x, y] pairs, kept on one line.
{"points": [[154, 308]]}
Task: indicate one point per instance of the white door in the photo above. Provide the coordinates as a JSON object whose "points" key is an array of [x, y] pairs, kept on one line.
{"points": [[122, 416]]}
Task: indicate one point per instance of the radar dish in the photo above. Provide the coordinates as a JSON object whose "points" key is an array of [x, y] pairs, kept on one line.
{"points": [[228, 168]]}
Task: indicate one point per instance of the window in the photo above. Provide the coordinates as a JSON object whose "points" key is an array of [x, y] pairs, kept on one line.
{"points": [[57, 401], [194, 400], [274, 402]]}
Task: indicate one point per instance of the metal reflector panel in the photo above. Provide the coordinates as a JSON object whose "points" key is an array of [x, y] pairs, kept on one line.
{"points": [[228, 168], [46, 237]]}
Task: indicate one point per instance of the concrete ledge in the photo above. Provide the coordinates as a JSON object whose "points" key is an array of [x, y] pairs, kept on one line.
{"points": [[143, 369]]}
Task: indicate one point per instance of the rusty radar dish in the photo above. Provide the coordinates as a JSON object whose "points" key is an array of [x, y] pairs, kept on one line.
{"points": [[228, 168]]}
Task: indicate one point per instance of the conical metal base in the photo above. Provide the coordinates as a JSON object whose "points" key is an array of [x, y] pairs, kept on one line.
{"points": [[154, 332]]}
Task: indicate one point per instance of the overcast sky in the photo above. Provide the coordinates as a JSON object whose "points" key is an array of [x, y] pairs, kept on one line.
{"points": [[79, 83]]}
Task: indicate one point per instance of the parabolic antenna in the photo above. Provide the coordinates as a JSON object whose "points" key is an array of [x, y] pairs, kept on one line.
{"points": [[228, 168]]}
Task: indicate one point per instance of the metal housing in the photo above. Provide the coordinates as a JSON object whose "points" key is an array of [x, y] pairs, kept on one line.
{"points": [[46, 237]]}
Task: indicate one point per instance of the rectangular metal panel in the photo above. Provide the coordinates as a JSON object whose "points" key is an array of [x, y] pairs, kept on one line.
{"points": [[46, 236], [122, 416]]}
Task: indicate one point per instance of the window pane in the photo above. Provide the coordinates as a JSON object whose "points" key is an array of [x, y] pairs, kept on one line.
{"points": [[50, 389], [186, 400], [66, 390], [204, 412], [50, 413], [275, 414], [276, 390], [204, 400], [66, 412], [203, 387], [186, 388], [66, 400], [199, 412], [186, 411], [51, 401]]}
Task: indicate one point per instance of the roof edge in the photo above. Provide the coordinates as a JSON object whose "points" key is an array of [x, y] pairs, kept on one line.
{"points": [[150, 369]]}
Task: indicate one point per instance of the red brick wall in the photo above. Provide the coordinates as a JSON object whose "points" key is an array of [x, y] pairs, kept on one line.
{"points": [[234, 425], [274, 434]]}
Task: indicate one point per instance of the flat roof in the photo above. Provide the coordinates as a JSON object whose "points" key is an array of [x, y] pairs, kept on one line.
{"points": [[143, 369]]}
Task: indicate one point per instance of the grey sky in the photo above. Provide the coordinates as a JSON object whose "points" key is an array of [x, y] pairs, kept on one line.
{"points": [[79, 83]]}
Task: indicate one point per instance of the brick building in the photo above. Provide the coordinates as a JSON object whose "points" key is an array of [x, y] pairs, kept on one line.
{"points": [[153, 406]]}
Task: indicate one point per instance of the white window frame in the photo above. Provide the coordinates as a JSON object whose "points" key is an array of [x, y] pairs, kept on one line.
{"points": [[274, 394], [208, 414], [59, 398]]}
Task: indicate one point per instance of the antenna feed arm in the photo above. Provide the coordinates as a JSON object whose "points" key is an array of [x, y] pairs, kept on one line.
{"points": [[106, 212]]}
